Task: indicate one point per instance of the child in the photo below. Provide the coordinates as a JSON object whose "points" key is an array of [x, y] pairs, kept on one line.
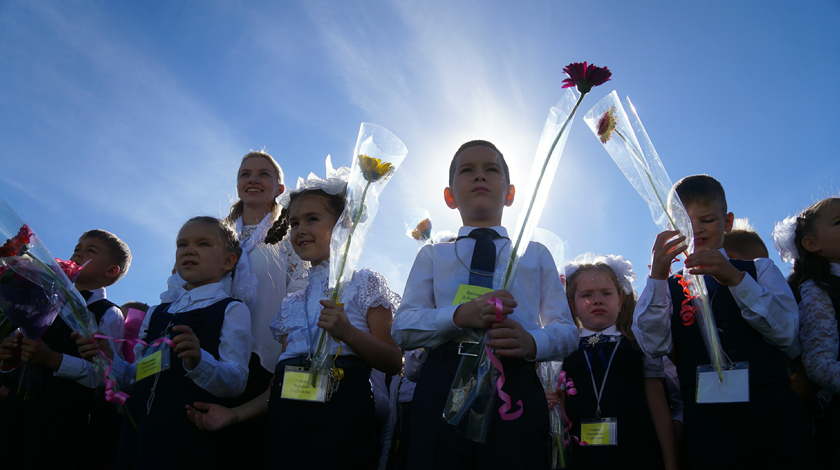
{"points": [[339, 433], [757, 321], [812, 242], [537, 324], [742, 242], [64, 405], [211, 333], [612, 374]]}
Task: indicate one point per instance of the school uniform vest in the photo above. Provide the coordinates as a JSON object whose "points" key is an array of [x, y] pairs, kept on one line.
{"points": [[623, 398], [739, 340], [165, 437]]}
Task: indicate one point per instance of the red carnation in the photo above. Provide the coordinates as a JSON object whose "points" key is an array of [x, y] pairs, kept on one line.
{"points": [[584, 76], [13, 245], [70, 268]]}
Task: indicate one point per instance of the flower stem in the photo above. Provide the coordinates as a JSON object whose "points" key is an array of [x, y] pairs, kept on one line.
{"points": [[519, 236]]}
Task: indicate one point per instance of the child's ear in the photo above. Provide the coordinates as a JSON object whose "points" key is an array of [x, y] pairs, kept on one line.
{"points": [[112, 272], [229, 261], [280, 190], [810, 244], [730, 219], [511, 192], [449, 198]]}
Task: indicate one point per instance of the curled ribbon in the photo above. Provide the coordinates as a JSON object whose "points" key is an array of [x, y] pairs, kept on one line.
{"points": [[111, 392], [506, 406], [687, 311]]}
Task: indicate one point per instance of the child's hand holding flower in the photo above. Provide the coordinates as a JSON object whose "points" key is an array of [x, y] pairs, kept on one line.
{"points": [[479, 313], [89, 348], [334, 320], [10, 349], [187, 346], [37, 353]]}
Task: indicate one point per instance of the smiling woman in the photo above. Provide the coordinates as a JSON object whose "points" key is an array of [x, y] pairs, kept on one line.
{"points": [[268, 270]]}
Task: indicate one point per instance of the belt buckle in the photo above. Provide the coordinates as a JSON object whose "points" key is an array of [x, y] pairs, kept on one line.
{"points": [[467, 344]]}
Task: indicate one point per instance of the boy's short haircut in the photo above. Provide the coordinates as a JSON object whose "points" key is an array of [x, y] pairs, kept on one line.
{"points": [[745, 243], [477, 143], [118, 252], [135, 305], [702, 188]]}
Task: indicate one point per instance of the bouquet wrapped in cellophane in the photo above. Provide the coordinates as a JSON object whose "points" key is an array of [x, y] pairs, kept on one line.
{"points": [[419, 227], [377, 156], [635, 155], [40, 288], [550, 374], [472, 395]]}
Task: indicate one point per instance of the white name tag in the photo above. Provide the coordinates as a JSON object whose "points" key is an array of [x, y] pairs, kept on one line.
{"points": [[734, 388]]}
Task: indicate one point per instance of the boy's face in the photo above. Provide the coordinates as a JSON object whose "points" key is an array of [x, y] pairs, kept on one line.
{"points": [[710, 223], [99, 271], [479, 190]]}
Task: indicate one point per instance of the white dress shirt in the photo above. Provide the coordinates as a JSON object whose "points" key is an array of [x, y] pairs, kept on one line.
{"points": [[225, 377], [425, 317], [767, 304], [111, 324]]}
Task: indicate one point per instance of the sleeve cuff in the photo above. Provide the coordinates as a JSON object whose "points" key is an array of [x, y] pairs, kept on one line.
{"points": [[542, 341], [445, 322], [203, 370], [747, 292], [71, 367]]}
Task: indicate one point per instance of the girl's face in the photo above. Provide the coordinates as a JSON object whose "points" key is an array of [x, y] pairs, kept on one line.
{"points": [[200, 258], [596, 302], [257, 184], [826, 239], [311, 224]]}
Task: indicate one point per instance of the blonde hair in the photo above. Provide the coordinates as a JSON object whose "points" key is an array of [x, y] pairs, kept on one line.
{"points": [[626, 306]]}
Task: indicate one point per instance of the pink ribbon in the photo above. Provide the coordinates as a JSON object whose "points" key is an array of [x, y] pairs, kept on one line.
{"points": [[111, 394], [506, 406], [133, 321]]}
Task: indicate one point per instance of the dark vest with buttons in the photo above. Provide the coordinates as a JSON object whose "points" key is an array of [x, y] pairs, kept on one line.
{"points": [[166, 438], [739, 340]]}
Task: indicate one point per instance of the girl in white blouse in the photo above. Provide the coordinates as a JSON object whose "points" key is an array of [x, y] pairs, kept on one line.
{"points": [[812, 242], [340, 432]]}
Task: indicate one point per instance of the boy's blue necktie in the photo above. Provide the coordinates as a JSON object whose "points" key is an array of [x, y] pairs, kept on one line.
{"points": [[483, 262]]}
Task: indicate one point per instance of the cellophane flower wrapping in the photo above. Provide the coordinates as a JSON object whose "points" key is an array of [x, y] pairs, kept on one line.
{"points": [[556, 246], [549, 374], [418, 225], [24, 303], [470, 404], [35, 263], [539, 182], [353, 226], [633, 152]]}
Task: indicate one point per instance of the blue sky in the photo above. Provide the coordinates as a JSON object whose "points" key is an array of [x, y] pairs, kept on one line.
{"points": [[132, 116]]}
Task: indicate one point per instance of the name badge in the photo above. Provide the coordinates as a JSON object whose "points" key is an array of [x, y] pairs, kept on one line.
{"points": [[467, 293], [599, 432], [296, 386], [734, 388], [154, 363]]}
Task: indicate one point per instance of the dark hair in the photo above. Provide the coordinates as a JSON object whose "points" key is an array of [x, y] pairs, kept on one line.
{"points": [[118, 252], [281, 226], [477, 143], [227, 237], [628, 301], [744, 244], [811, 266], [701, 188], [135, 305], [335, 202]]}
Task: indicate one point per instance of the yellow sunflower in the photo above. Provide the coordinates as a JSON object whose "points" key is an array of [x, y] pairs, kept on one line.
{"points": [[373, 169]]}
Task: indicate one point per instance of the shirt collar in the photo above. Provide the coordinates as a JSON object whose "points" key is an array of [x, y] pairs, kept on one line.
{"points": [[207, 291], [611, 331], [96, 295], [465, 230]]}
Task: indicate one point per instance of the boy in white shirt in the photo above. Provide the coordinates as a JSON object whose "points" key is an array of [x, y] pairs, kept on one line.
{"points": [[536, 325]]}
